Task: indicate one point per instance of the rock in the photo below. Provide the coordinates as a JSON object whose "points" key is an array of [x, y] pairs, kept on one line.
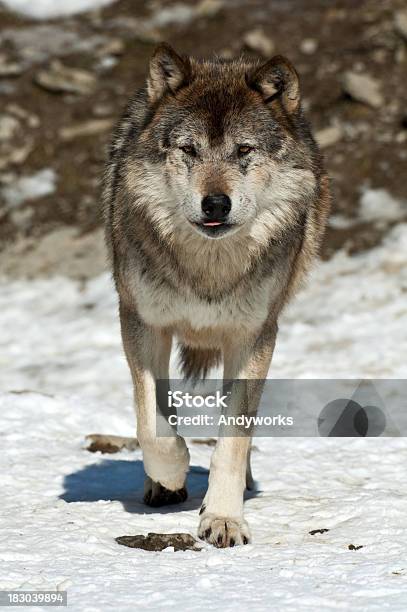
{"points": [[362, 88], [31, 120], [379, 55], [9, 127], [15, 156], [400, 23], [103, 110], [176, 13], [40, 43], [308, 46], [10, 68], [62, 79], [256, 40], [328, 136], [115, 46], [110, 444], [7, 89], [15, 143], [136, 29], [22, 218], [148, 35], [87, 128], [160, 541], [208, 8], [400, 54]]}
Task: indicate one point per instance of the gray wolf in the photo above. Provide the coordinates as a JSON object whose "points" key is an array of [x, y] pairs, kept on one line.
{"points": [[215, 204]]}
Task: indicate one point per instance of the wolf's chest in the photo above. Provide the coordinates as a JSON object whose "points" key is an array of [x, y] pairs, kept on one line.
{"points": [[161, 305]]}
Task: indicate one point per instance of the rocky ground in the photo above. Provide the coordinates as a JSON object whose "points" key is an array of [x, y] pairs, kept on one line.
{"points": [[64, 82]]}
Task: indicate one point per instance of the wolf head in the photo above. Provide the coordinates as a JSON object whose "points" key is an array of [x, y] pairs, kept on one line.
{"points": [[224, 148]]}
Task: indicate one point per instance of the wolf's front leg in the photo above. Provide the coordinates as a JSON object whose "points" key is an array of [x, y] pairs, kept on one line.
{"points": [[166, 459], [222, 522]]}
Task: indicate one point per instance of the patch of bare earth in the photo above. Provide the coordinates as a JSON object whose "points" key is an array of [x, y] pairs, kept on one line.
{"points": [[64, 83]]}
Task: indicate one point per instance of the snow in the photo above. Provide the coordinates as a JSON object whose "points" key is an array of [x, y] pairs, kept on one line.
{"points": [[349, 322], [62, 507], [379, 205], [160, 16], [50, 9], [375, 206], [26, 188]]}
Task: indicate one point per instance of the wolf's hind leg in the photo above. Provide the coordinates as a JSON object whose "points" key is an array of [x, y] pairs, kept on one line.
{"points": [[166, 459]]}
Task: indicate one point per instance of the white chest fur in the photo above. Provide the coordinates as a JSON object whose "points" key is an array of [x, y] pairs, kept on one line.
{"points": [[162, 306]]}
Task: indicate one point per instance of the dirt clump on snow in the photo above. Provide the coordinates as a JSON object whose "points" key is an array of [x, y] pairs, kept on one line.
{"points": [[160, 541]]}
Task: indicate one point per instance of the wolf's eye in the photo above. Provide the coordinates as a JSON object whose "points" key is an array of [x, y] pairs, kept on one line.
{"points": [[189, 150], [244, 150]]}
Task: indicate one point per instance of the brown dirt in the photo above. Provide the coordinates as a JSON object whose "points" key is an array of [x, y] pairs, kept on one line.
{"points": [[159, 541], [371, 153]]}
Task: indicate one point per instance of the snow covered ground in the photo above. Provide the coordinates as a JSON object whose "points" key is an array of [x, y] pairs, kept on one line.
{"points": [[161, 16], [62, 336], [63, 375], [50, 9]]}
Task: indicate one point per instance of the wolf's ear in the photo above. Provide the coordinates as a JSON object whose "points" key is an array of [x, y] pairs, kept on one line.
{"points": [[277, 79], [168, 72]]}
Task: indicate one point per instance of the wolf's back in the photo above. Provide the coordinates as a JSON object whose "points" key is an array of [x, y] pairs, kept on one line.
{"points": [[127, 129]]}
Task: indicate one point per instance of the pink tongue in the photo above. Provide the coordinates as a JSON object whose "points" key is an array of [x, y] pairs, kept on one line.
{"points": [[212, 223]]}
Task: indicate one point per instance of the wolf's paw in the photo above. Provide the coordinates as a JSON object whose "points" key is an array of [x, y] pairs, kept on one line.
{"points": [[156, 495], [223, 532]]}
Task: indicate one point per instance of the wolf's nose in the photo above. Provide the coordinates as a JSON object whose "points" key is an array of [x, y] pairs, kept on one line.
{"points": [[216, 207]]}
